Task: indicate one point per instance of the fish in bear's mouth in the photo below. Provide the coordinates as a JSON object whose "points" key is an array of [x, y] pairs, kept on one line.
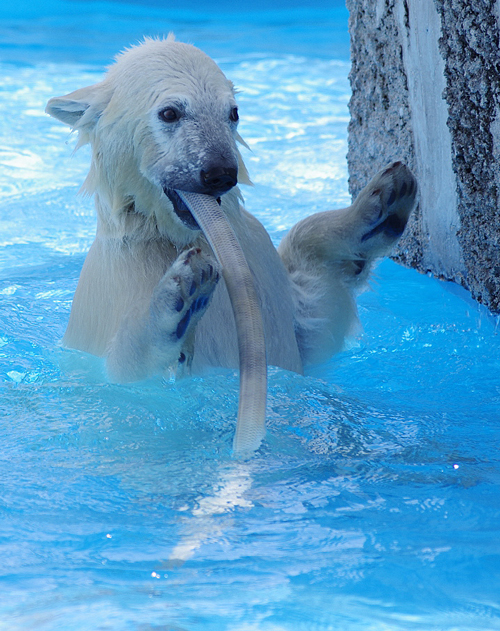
{"points": [[182, 211]]}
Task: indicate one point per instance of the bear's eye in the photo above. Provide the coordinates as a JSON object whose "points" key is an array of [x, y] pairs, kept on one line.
{"points": [[169, 115], [234, 116]]}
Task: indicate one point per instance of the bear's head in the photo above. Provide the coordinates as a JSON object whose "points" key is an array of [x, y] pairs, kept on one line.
{"points": [[164, 118]]}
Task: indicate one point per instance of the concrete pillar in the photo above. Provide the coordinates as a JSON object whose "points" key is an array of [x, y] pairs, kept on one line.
{"points": [[425, 83]]}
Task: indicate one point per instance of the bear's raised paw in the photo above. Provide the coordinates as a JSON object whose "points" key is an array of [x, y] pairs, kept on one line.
{"points": [[389, 198], [179, 301]]}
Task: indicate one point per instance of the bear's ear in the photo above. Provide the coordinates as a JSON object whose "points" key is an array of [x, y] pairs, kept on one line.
{"points": [[81, 108]]}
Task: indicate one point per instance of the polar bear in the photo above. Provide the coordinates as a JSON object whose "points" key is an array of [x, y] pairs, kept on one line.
{"points": [[149, 298]]}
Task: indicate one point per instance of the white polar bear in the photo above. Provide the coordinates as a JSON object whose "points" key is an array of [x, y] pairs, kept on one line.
{"points": [[163, 119]]}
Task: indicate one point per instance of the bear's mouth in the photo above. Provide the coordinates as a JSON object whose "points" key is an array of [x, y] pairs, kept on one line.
{"points": [[182, 211]]}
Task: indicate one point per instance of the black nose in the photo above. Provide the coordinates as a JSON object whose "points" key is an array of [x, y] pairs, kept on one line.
{"points": [[219, 179]]}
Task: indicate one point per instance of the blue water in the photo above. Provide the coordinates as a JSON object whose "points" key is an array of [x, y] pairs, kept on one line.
{"points": [[374, 504]]}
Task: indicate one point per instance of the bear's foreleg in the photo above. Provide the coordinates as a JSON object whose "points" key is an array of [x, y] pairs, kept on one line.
{"points": [[330, 255], [163, 338]]}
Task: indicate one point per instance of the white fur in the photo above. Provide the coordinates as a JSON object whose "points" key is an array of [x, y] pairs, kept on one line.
{"points": [[306, 291]]}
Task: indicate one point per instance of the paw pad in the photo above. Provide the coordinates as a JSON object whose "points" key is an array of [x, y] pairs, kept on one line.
{"points": [[183, 324], [395, 187], [179, 305], [198, 305], [182, 296], [359, 266]]}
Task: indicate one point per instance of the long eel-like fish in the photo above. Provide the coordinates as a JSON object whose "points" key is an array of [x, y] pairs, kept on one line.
{"points": [[250, 427]]}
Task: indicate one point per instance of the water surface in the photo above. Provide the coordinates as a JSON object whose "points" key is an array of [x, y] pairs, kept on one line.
{"points": [[374, 504]]}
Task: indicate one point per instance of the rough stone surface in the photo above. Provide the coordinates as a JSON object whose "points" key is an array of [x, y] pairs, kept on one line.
{"points": [[426, 90], [380, 129], [470, 47]]}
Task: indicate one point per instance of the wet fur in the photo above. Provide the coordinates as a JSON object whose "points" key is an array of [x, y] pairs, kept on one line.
{"points": [[307, 288]]}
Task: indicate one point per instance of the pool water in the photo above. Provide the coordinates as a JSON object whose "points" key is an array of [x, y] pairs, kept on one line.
{"points": [[374, 504]]}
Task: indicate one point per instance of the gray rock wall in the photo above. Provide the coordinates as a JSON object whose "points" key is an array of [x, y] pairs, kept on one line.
{"points": [[425, 83]]}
